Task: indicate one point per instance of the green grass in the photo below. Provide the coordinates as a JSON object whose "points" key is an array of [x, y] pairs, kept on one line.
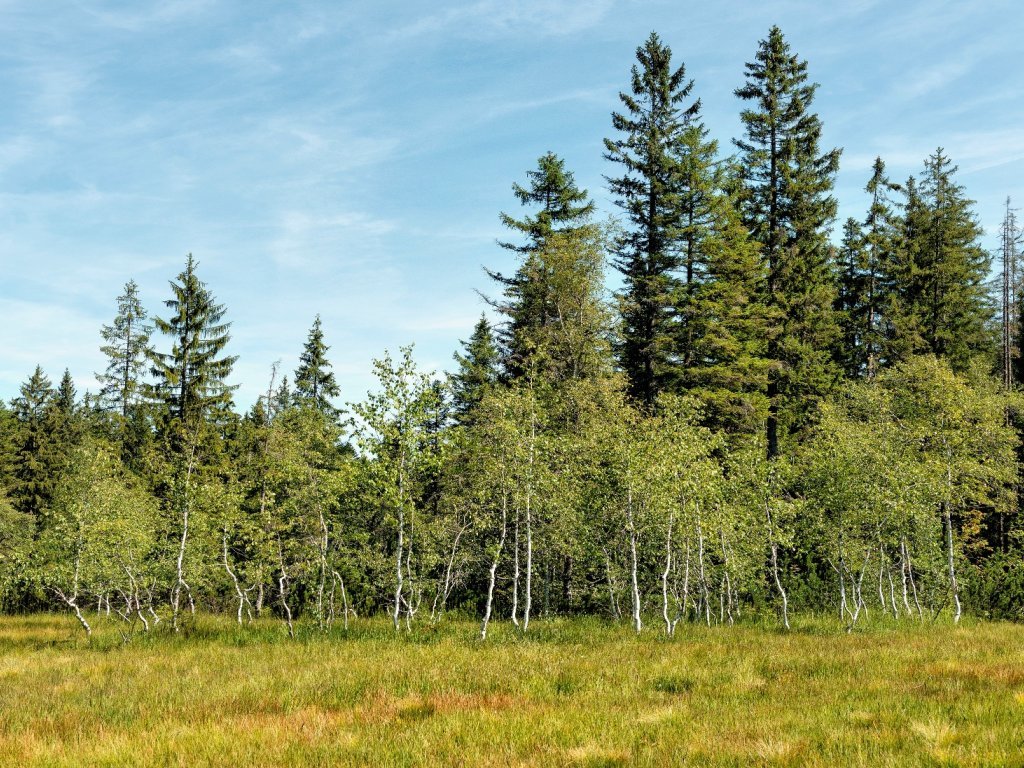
{"points": [[580, 692]]}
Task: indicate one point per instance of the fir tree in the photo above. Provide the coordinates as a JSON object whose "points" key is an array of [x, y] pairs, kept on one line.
{"points": [[850, 294], [66, 398], [730, 326], [562, 205], [573, 344], [651, 191], [36, 460], [865, 280], [788, 207], [904, 327], [1010, 236], [127, 350], [880, 237], [190, 379], [315, 385], [941, 304], [958, 310], [478, 370], [525, 302]]}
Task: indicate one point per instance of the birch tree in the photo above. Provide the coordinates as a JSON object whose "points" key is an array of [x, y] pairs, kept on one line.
{"points": [[392, 436]]}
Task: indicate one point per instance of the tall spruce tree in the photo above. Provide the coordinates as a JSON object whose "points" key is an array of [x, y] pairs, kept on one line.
{"points": [[730, 327], [1010, 236], [190, 379], [526, 301], [315, 384], [880, 239], [789, 209], [651, 192], [958, 310], [865, 275], [904, 335], [128, 351], [36, 457], [941, 304], [478, 370], [850, 298]]}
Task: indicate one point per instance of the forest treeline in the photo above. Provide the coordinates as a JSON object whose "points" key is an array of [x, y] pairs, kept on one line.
{"points": [[759, 420]]}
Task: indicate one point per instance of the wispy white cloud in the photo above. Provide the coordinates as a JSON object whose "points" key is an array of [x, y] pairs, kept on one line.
{"points": [[136, 15], [498, 17], [972, 151], [310, 241]]}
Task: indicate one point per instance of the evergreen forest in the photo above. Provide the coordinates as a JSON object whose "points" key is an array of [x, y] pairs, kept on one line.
{"points": [[769, 412]]}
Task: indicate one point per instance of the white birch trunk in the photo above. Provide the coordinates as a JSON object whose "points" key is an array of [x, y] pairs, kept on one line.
{"points": [[633, 562], [494, 568], [669, 626]]}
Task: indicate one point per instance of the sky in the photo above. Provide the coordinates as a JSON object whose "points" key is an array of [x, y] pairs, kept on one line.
{"points": [[351, 158]]}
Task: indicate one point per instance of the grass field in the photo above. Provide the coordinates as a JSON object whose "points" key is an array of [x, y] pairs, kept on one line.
{"points": [[579, 692]]}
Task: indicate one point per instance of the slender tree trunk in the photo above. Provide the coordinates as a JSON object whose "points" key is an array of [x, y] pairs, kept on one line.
{"points": [[953, 584], [344, 599], [242, 598], [686, 580], [323, 543], [515, 573], [948, 519], [528, 597], [633, 562], [726, 578], [705, 594], [775, 565], [442, 596], [669, 626], [282, 584], [494, 568], [180, 563], [396, 611], [72, 600]]}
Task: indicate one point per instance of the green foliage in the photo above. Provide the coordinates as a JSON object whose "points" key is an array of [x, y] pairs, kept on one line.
{"points": [[100, 537], [478, 370], [941, 304], [728, 326], [128, 351], [788, 207], [664, 157], [314, 380], [190, 379], [548, 477], [17, 531], [529, 296]]}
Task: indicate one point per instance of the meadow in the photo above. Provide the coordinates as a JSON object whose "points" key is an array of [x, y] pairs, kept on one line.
{"points": [[573, 692]]}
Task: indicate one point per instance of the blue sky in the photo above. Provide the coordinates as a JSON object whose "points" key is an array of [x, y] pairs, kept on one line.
{"points": [[351, 158]]}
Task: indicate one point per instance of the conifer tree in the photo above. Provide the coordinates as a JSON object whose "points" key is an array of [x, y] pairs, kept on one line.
{"points": [[1010, 236], [127, 350], [574, 344], [315, 384], [789, 208], [36, 460], [730, 327], [866, 271], [8, 444], [904, 327], [478, 370], [650, 191], [849, 303], [563, 206], [525, 302], [190, 379], [958, 312], [941, 306], [67, 425]]}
